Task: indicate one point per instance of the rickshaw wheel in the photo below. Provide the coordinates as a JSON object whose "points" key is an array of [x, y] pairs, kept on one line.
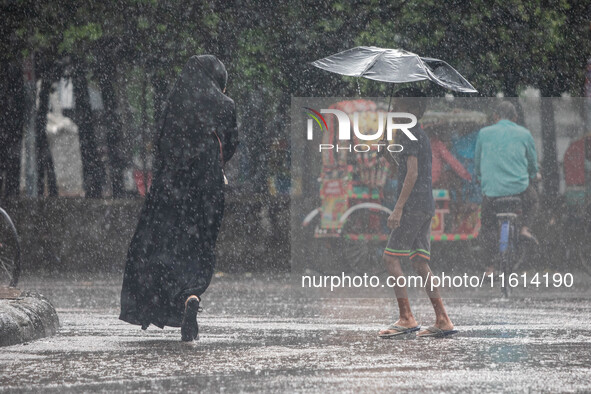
{"points": [[362, 242], [10, 252]]}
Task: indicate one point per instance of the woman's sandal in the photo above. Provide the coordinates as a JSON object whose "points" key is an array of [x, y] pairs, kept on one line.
{"points": [[189, 326]]}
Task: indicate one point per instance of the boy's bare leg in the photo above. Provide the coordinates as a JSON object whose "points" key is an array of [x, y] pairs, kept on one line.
{"points": [[442, 321], [406, 318]]}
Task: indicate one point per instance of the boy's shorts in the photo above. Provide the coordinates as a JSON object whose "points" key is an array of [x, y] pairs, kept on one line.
{"points": [[412, 238]]}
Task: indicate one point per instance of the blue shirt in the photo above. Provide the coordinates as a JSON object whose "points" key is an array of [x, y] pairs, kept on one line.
{"points": [[463, 148], [465, 145], [505, 159]]}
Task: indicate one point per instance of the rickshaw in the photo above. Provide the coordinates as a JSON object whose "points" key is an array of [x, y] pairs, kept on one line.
{"points": [[357, 192]]}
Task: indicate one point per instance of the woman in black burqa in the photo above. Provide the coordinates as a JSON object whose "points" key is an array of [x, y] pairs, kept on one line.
{"points": [[171, 259]]}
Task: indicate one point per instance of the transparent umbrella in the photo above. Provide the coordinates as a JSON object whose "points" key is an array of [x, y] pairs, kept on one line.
{"points": [[394, 66]]}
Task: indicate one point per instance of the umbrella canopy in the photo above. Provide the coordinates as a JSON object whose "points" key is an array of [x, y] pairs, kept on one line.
{"points": [[394, 65]]}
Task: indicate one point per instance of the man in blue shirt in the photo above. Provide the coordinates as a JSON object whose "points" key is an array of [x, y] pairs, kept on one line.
{"points": [[505, 164]]}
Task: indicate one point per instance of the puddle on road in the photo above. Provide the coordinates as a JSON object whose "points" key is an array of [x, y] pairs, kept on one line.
{"points": [[277, 343]]}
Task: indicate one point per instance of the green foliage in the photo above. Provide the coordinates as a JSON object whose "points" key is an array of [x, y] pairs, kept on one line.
{"points": [[75, 35], [499, 45], [267, 45]]}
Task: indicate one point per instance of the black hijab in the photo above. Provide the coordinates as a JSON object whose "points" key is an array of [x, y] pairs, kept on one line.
{"points": [[214, 68], [193, 109]]}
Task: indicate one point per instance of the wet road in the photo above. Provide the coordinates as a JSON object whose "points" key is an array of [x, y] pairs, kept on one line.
{"points": [[257, 335]]}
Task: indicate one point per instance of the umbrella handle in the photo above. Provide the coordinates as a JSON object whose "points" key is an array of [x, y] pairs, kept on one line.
{"points": [[389, 104], [391, 93]]}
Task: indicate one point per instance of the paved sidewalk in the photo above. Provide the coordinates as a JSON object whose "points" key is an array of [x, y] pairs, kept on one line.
{"points": [[257, 335]]}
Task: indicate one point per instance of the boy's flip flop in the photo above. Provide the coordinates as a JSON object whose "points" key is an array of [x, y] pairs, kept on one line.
{"points": [[399, 330], [435, 332]]}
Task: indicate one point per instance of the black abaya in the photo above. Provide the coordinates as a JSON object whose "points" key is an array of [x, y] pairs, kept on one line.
{"points": [[172, 253]]}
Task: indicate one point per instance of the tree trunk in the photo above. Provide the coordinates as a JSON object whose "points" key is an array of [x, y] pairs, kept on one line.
{"points": [[512, 95], [254, 136], [11, 126], [92, 170], [114, 127], [145, 133], [549, 160], [159, 86], [45, 168]]}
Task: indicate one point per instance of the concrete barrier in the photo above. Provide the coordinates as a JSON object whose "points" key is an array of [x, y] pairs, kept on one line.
{"points": [[30, 316]]}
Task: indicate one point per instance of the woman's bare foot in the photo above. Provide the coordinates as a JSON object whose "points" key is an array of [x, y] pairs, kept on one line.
{"points": [[410, 323], [190, 297], [189, 327]]}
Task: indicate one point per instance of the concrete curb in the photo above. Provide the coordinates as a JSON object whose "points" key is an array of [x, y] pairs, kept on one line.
{"points": [[29, 317]]}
